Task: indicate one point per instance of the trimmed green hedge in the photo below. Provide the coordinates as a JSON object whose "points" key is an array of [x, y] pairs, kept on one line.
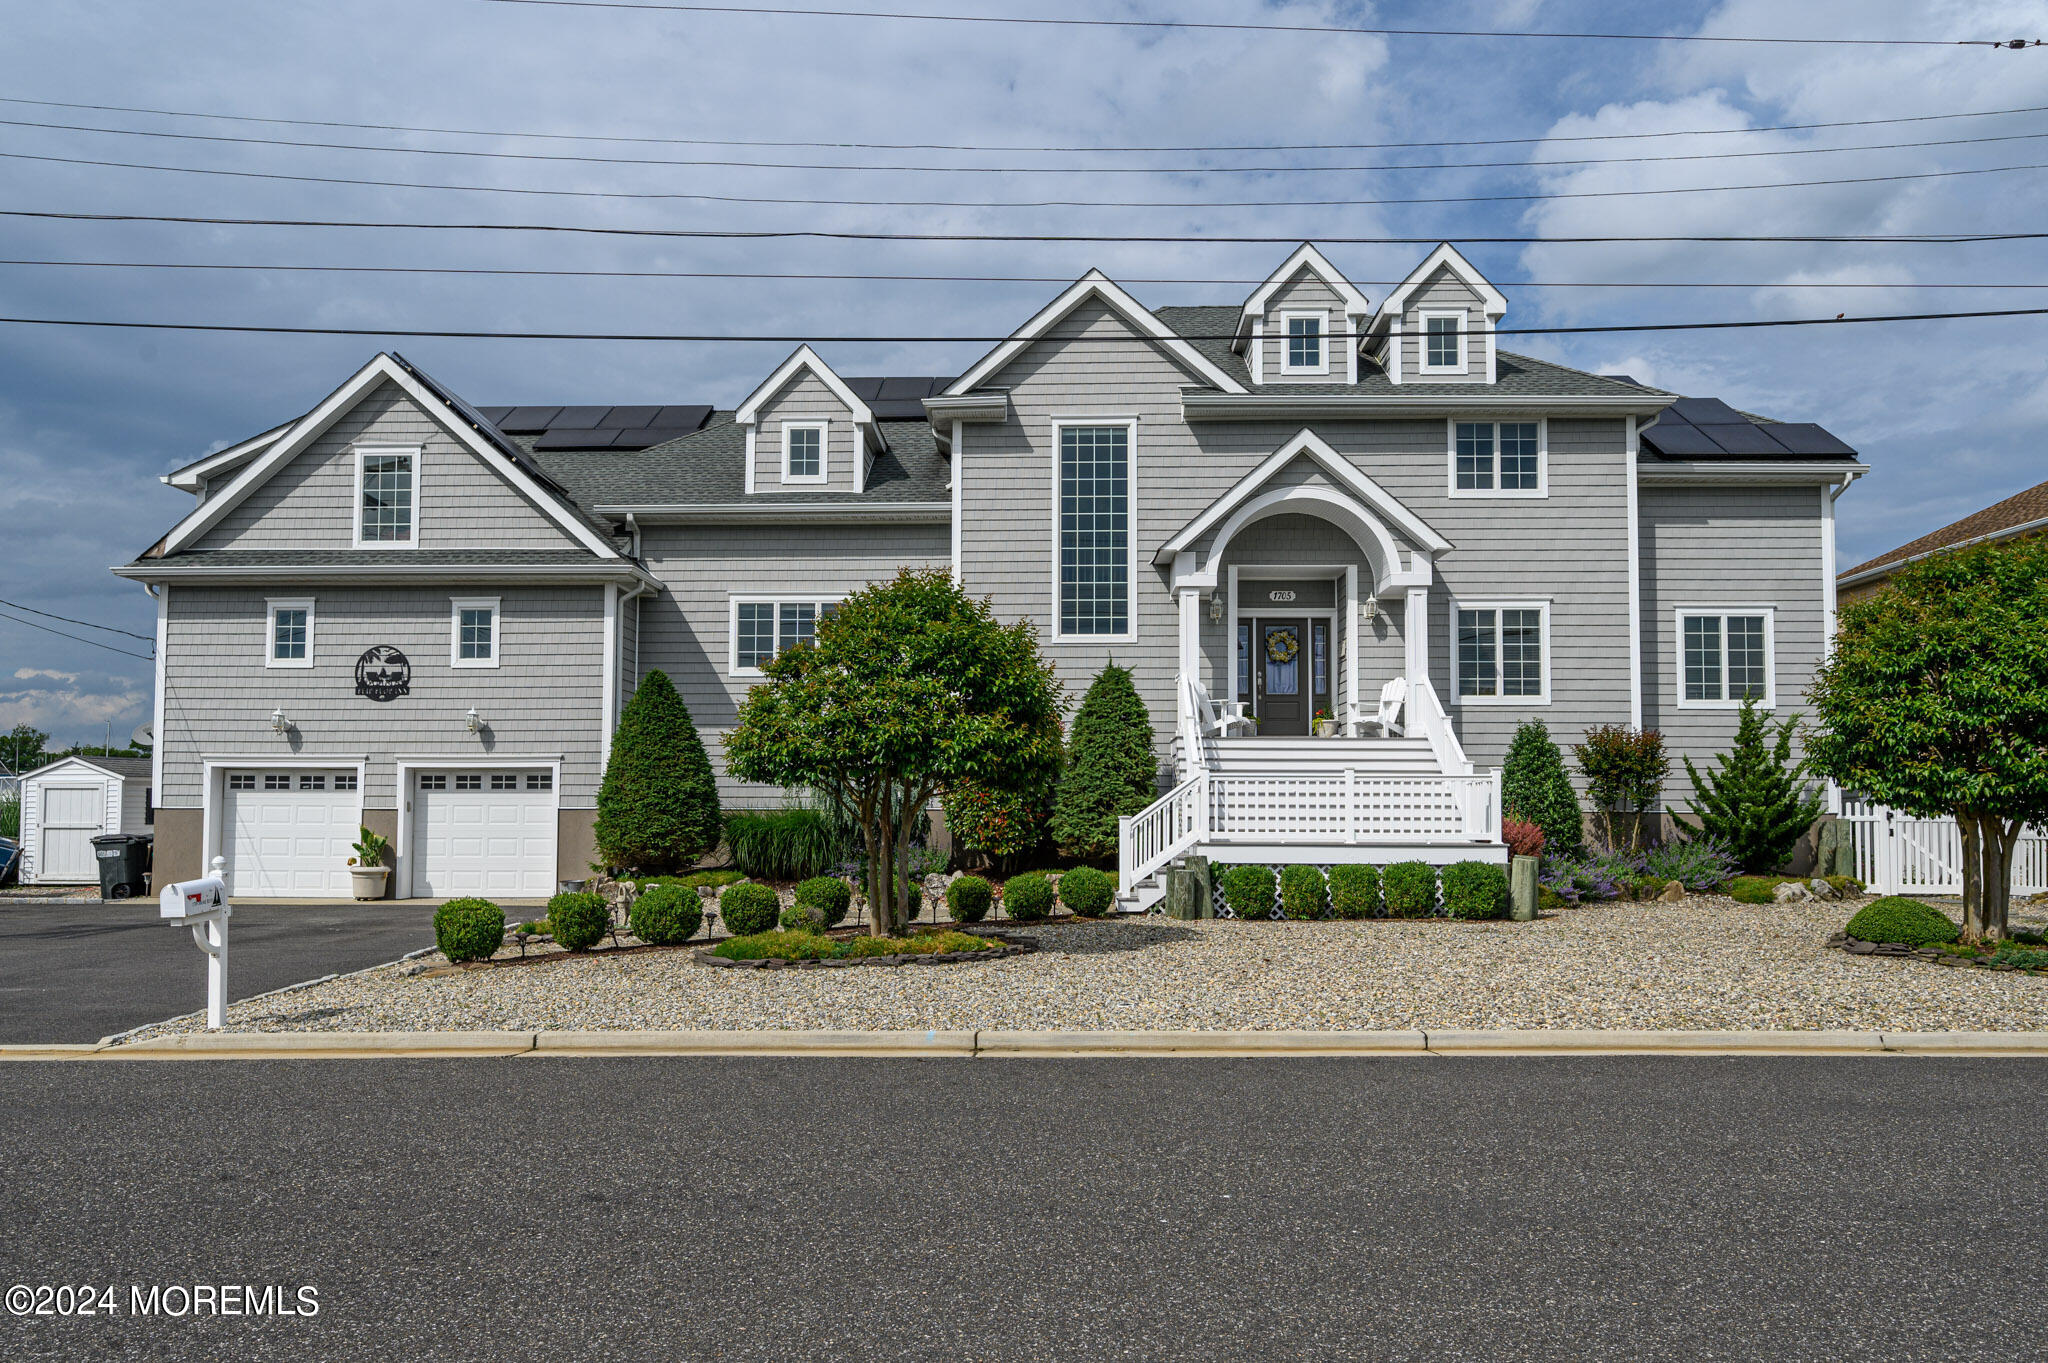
{"points": [[578, 922], [666, 915], [1303, 892], [1896, 918], [1354, 891], [1087, 892], [829, 895], [469, 929], [1249, 891], [968, 899], [1028, 898], [1410, 889], [748, 908], [1475, 889]]}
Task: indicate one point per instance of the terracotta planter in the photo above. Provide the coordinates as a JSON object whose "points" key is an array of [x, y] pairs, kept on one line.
{"points": [[369, 880]]}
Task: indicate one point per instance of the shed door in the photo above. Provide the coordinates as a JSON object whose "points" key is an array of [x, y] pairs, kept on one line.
{"points": [[288, 834], [484, 833], [71, 817]]}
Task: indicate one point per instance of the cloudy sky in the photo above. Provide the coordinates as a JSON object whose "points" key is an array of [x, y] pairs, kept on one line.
{"points": [[1948, 414]]}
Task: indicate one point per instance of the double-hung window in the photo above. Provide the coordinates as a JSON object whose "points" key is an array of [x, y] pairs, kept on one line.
{"points": [[762, 628], [1499, 459], [290, 631], [473, 631], [1504, 652], [1726, 654], [387, 495], [803, 451], [1443, 342], [1094, 536], [1302, 334]]}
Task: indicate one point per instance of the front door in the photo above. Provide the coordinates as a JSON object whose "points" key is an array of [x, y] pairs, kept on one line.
{"points": [[1280, 677]]}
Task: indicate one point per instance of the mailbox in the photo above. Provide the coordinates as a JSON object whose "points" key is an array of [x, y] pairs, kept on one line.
{"points": [[191, 898], [202, 905]]}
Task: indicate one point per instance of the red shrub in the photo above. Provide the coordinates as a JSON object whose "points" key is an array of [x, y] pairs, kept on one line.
{"points": [[1523, 838]]}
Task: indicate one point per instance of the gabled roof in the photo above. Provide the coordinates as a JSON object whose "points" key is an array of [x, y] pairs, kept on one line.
{"points": [[804, 357], [1098, 286], [127, 768], [1305, 256], [2020, 514], [188, 477], [1492, 301]]}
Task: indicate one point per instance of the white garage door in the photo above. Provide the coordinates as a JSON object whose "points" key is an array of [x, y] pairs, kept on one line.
{"points": [[488, 833], [70, 818], [288, 834]]}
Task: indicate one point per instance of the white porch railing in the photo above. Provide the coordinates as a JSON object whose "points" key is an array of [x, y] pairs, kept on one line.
{"points": [[1161, 831], [1427, 719], [1899, 854]]}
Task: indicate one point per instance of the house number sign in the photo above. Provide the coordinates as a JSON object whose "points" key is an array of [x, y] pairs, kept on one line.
{"points": [[382, 673], [1280, 596]]}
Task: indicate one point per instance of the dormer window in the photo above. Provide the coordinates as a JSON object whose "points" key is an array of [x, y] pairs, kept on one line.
{"points": [[385, 488], [1443, 342], [1305, 353]]}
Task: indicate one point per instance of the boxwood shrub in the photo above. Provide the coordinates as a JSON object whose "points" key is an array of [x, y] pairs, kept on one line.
{"points": [[1087, 892], [748, 908], [1249, 891], [1354, 891], [829, 895], [469, 929], [802, 918], [666, 915], [1896, 918], [577, 922], [1028, 898], [1475, 889], [968, 899], [1303, 892], [1411, 889]]}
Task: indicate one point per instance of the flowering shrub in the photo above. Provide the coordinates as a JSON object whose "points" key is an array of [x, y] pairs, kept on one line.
{"points": [[1696, 863], [1524, 838], [1581, 879]]}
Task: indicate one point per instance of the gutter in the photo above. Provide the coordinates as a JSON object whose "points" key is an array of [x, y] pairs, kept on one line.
{"points": [[478, 572], [1230, 406], [1886, 569], [801, 513], [1747, 470]]}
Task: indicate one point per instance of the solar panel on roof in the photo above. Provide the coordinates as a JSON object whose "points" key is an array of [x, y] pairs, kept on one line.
{"points": [[575, 438], [581, 417], [1746, 438], [898, 409], [682, 418], [1708, 412], [1679, 440], [906, 388], [628, 418], [525, 420], [496, 415], [864, 389], [1803, 437]]}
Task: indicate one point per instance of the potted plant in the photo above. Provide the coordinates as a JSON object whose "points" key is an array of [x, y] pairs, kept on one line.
{"points": [[366, 868], [1326, 726]]}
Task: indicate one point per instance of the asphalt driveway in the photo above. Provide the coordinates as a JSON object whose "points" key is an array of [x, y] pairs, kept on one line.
{"points": [[78, 972]]}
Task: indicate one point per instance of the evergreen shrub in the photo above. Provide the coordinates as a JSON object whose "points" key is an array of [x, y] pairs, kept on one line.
{"points": [[1110, 768], [666, 915], [748, 908], [1028, 898], [657, 809], [1535, 786], [1410, 889], [968, 899], [1087, 892], [578, 922], [1752, 802], [829, 895], [1249, 891], [1475, 889], [1896, 918], [469, 929], [1354, 891], [1303, 892]]}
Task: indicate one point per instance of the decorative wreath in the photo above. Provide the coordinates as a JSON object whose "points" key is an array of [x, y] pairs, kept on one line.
{"points": [[1282, 646]]}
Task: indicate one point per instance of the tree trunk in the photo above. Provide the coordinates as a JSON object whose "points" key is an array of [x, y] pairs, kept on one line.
{"points": [[1973, 875], [2000, 835]]}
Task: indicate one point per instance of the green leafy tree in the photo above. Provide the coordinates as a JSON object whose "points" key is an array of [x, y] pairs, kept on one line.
{"points": [[1624, 770], [1005, 826], [22, 748], [657, 810], [911, 689], [1935, 702], [1534, 786], [1752, 803], [1111, 770]]}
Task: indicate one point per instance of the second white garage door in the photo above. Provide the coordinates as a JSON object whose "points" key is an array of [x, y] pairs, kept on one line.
{"points": [[489, 833], [288, 834]]}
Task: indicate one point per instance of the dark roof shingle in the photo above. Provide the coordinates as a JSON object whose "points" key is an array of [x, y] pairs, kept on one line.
{"points": [[2020, 509]]}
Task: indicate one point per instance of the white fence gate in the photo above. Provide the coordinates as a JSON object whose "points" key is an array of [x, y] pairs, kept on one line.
{"points": [[1899, 854]]}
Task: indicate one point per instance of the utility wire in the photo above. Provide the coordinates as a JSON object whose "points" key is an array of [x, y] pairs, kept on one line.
{"points": [[802, 339], [1012, 147], [790, 234], [16, 605], [1273, 168], [1190, 24], [974, 279], [668, 196], [79, 638]]}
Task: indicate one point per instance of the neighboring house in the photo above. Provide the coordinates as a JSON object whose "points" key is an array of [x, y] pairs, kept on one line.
{"points": [[73, 800], [405, 611], [2020, 515]]}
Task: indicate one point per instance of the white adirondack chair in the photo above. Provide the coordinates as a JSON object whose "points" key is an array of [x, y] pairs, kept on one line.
{"points": [[1387, 723]]}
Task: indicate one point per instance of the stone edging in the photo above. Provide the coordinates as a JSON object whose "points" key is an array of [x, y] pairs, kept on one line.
{"points": [[1012, 946], [1855, 946]]}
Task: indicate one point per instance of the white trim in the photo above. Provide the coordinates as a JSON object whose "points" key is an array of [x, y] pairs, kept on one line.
{"points": [[271, 606], [1423, 317], [617, 570], [749, 412], [1305, 255], [610, 719], [1094, 284], [1769, 699], [407, 768], [1393, 353], [1828, 602], [733, 602], [956, 471], [1258, 350], [793, 513], [823, 426], [1672, 471], [1631, 447], [1255, 572], [1542, 488], [212, 793], [458, 604], [190, 477], [1541, 605], [1492, 302], [1277, 404], [163, 641], [750, 430], [1322, 319], [362, 453], [1130, 425]]}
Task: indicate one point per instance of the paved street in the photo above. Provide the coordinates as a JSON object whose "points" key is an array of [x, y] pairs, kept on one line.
{"points": [[78, 972], [1325, 1209]]}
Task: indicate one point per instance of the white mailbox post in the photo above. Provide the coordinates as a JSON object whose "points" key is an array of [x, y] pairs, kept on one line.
{"points": [[202, 905]]}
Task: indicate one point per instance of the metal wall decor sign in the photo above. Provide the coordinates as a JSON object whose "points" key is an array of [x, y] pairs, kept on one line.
{"points": [[1280, 596], [382, 673]]}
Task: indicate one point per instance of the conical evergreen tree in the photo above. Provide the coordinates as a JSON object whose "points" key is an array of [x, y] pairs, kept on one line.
{"points": [[657, 810], [1534, 786], [1752, 802], [1110, 769]]}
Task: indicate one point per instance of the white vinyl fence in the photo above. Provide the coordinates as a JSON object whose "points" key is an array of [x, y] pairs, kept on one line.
{"points": [[1899, 854]]}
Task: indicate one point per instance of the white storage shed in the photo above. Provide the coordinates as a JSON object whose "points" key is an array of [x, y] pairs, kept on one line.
{"points": [[67, 804]]}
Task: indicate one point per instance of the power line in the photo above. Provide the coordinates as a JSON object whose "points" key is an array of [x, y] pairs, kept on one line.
{"points": [[1012, 147], [79, 638], [802, 339], [809, 201], [1334, 29], [975, 279], [467, 153], [16, 605], [791, 234]]}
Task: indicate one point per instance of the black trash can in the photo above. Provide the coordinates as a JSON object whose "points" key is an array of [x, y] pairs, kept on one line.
{"points": [[124, 864]]}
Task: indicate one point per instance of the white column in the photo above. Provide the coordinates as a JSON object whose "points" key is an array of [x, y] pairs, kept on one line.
{"points": [[1635, 583], [1352, 640], [1191, 632], [1415, 623]]}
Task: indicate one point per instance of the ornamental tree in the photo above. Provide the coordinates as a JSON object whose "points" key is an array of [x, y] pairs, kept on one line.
{"points": [[1111, 769], [910, 689], [1752, 802], [1624, 769], [1535, 787], [657, 809], [1935, 702]]}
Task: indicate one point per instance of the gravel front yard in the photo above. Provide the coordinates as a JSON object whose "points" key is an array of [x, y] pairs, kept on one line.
{"points": [[1706, 962]]}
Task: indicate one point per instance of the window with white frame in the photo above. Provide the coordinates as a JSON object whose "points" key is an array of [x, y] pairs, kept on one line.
{"points": [[473, 631], [1303, 337], [1726, 654], [1094, 529], [803, 451], [1504, 652], [387, 484], [1498, 458], [1443, 342], [290, 631], [762, 628]]}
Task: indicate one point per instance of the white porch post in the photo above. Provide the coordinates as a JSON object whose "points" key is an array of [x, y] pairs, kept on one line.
{"points": [[1415, 625], [1351, 641], [1191, 632]]}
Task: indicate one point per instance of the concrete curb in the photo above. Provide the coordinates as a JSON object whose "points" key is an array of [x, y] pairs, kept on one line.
{"points": [[319, 1045], [1075, 1044], [959, 1045], [1593, 1042]]}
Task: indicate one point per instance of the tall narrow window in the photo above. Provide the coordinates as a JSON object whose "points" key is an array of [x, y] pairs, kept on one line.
{"points": [[1725, 658], [291, 634], [1500, 653], [798, 624], [1244, 662], [755, 642], [1518, 456], [1475, 456], [1444, 343], [386, 513], [803, 451], [473, 631], [1095, 529], [1478, 656], [1319, 632], [1304, 342]]}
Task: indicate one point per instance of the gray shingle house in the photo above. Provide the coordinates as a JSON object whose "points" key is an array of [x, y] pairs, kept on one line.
{"points": [[403, 610]]}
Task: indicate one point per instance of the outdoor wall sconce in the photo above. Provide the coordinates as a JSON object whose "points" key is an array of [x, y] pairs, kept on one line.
{"points": [[1369, 609], [278, 723], [1215, 608], [473, 721]]}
